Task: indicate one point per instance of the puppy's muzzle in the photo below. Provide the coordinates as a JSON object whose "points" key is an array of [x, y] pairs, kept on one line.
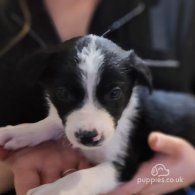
{"points": [[89, 137]]}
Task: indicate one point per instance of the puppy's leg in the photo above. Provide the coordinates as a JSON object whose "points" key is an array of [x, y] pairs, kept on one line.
{"points": [[92, 181], [31, 134]]}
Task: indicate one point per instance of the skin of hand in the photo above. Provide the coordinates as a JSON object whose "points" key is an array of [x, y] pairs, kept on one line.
{"points": [[176, 154], [41, 164]]}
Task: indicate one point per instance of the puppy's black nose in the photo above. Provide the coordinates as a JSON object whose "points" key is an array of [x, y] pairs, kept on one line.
{"points": [[88, 138]]}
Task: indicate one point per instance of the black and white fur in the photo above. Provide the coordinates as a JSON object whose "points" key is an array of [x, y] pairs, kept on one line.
{"points": [[99, 96]]}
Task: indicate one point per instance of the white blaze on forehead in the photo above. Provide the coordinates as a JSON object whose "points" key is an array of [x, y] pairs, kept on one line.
{"points": [[91, 60]]}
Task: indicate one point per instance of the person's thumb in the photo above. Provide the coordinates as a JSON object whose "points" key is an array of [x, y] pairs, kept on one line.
{"points": [[165, 144]]}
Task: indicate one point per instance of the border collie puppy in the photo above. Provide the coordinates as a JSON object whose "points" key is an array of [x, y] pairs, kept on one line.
{"points": [[99, 96]]}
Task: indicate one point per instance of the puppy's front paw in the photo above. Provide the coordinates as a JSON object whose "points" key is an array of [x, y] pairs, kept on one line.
{"points": [[15, 137]]}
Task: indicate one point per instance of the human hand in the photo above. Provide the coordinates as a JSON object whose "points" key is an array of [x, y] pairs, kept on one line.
{"points": [[41, 164], [176, 154]]}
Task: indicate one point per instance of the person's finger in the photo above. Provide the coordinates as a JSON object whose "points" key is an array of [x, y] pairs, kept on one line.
{"points": [[25, 180], [165, 144], [50, 175]]}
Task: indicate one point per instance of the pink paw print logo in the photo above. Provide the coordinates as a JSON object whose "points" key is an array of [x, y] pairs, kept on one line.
{"points": [[160, 170]]}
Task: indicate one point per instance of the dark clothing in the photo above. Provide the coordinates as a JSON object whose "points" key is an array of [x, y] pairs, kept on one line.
{"points": [[19, 103]]}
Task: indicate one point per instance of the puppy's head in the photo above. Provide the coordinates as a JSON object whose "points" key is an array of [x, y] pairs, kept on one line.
{"points": [[90, 81]]}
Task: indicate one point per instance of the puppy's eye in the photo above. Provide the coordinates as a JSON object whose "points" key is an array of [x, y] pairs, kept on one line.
{"points": [[115, 93]]}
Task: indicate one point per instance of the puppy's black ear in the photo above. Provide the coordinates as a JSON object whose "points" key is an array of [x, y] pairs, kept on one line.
{"points": [[141, 70], [32, 67]]}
